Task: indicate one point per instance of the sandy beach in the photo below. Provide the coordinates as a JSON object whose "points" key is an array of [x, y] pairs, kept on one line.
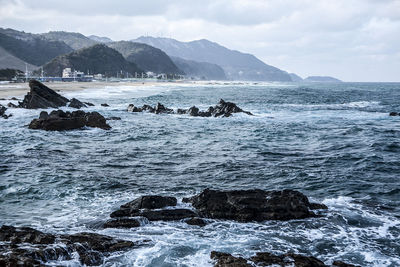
{"points": [[19, 89]]}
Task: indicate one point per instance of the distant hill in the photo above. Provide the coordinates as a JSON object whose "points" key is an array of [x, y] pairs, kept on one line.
{"points": [[146, 57], [73, 39], [8, 60], [33, 49], [295, 77], [321, 79], [237, 65], [95, 59], [200, 70], [100, 39]]}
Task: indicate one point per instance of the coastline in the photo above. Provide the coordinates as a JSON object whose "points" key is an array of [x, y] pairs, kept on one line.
{"points": [[20, 89]]}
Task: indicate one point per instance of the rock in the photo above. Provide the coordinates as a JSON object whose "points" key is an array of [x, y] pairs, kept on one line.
{"points": [[89, 104], [59, 120], [104, 105], [3, 112], [394, 114], [181, 111], [159, 108], [132, 108], [12, 105], [156, 215], [29, 247], [252, 205], [226, 109], [122, 223], [193, 111], [267, 259], [196, 221], [150, 202], [14, 98], [113, 119], [40, 96], [75, 103]]}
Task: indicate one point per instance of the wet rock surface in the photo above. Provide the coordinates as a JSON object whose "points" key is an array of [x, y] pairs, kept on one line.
{"points": [[75, 103], [122, 223], [150, 202], [267, 259], [196, 221], [26, 246], [59, 120], [222, 109], [253, 205], [394, 114], [3, 114], [40, 96]]}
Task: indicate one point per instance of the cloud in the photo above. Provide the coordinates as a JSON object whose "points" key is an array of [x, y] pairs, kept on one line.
{"points": [[307, 37]]}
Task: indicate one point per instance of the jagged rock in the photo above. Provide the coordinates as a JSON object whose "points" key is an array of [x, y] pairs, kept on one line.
{"points": [[394, 114], [12, 105], [3, 111], [253, 205], [59, 120], [267, 259], [223, 109], [29, 247], [104, 105], [89, 104], [196, 221], [156, 215], [113, 119], [40, 96], [75, 103], [122, 223], [150, 202]]}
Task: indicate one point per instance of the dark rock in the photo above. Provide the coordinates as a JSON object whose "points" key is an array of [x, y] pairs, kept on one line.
{"points": [[150, 202], [104, 105], [132, 108], [122, 223], [226, 109], [12, 105], [14, 98], [342, 264], [3, 110], [267, 259], [40, 96], [181, 111], [156, 215], [113, 119], [89, 104], [193, 111], [75, 103], [28, 247], [394, 114], [159, 108], [252, 205], [148, 108], [59, 120], [196, 221]]}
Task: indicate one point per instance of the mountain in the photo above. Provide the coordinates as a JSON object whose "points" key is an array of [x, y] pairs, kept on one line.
{"points": [[73, 39], [146, 57], [321, 79], [295, 77], [9, 61], [100, 39], [95, 59], [200, 70], [32, 49], [237, 65]]}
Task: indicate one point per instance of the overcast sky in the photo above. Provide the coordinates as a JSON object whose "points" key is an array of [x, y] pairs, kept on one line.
{"points": [[353, 40]]}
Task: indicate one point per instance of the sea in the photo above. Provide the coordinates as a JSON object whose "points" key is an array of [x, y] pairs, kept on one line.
{"points": [[334, 142]]}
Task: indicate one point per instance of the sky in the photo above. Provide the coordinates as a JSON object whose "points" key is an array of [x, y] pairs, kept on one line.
{"points": [[353, 40]]}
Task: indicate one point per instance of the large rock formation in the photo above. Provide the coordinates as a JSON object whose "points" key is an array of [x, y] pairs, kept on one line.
{"points": [[29, 247], [59, 120], [253, 205], [267, 259], [222, 109], [40, 96], [151, 207]]}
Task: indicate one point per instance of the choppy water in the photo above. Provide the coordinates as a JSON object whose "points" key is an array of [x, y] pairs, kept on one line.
{"points": [[333, 142]]}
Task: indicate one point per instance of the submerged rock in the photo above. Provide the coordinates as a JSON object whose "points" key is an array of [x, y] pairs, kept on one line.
{"points": [[3, 114], [223, 109], [40, 96], [394, 114], [253, 205], [113, 119], [267, 259], [196, 221], [59, 120], [104, 105], [26, 246], [12, 105], [89, 104], [75, 103]]}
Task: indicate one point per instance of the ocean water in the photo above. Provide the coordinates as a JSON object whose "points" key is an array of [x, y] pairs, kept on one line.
{"points": [[335, 143]]}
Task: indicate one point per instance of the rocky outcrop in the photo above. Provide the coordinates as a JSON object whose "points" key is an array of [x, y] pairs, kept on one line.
{"points": [[267, 259], [394, 114], [253, 205], [40, 96], [122, 223], [75, 103], [3, 114], [222, 109], [59, 120], [151, 208], [104, 105], [29, 247]]}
